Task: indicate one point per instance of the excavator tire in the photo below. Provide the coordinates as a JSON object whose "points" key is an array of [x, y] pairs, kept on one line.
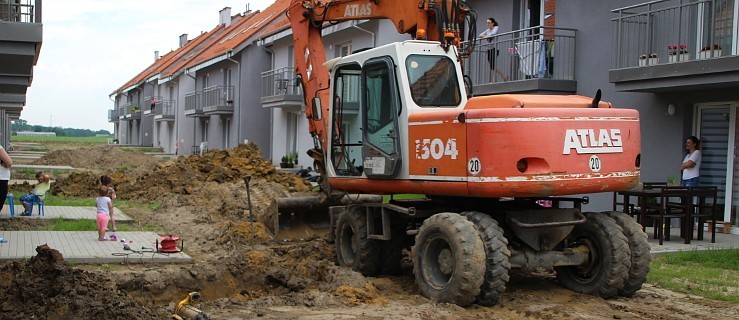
{"points": [[608, 267], [640, 256], [353, 249], [449, 259], [497, 258]]}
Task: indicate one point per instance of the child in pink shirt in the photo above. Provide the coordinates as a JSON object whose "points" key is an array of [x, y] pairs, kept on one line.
{"points": [[104, 207]]}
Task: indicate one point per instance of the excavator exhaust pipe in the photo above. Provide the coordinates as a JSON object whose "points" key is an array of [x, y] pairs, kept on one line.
{"points": [[304, 217]]}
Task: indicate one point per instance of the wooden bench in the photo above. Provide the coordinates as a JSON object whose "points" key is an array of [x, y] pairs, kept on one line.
{"points": [[725, 224]]}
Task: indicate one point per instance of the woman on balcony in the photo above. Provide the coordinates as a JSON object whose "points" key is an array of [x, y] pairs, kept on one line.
{"points": [[490, 31]]}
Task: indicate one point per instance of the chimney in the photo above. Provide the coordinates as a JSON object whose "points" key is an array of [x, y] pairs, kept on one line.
{"points": [[183, 39], [156, 55], [225, 17]]}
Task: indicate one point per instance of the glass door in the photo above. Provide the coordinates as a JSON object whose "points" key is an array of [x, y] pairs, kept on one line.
{"points": [[717, 126]]}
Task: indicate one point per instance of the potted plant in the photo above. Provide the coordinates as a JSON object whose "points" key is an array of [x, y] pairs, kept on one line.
{"points": [[643, 60], [672, 181], [294, 157], [677, 53], [286, 161], [653, 59], [710, 52]]}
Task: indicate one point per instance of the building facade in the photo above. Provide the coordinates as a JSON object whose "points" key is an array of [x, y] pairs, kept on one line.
{"points": [[675, 61]]}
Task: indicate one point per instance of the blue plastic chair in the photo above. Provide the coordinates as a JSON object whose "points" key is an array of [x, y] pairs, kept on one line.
{"points": [[40, 204], [9, 197]]}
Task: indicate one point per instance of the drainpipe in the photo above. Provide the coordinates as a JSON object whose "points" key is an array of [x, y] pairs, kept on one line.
{"points": [[271, 112], [194, 119], [238, 118], [374, 44]]}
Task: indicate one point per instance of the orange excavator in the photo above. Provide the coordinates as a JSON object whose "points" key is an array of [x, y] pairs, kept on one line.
{"points": [[490, 175]]}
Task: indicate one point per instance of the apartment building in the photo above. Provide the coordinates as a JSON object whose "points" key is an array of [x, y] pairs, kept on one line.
{"points": [[203, 94], [20, 45], [676, 61]]}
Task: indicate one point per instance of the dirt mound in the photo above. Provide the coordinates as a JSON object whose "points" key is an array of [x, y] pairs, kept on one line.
{"points": [[185, 175], [103, 156], [47, 285]]}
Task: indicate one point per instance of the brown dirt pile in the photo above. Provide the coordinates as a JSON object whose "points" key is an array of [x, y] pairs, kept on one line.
{"points": [[47, 285], [184, 175], [96, 158]]}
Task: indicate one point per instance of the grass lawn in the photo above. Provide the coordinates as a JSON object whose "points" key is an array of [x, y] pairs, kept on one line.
{"points": [[103, 139], [713, 274]]}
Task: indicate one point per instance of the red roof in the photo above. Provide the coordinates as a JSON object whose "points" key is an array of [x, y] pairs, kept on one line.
{"points": [[214, 43]]}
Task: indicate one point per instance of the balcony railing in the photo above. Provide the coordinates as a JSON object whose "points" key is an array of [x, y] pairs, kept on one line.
{"points": [[20, 11], [193, 103], [112, 115], [150, 104], [672, 31], [533, 53], [280, 82], [164, 110], [218, 98], [132, 111]]}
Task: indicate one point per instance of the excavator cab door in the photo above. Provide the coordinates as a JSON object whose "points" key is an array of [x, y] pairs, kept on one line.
{"points": [[381, 157]]}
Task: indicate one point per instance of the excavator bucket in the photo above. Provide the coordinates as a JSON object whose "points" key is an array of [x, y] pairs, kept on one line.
{"points": [[307, 216]]}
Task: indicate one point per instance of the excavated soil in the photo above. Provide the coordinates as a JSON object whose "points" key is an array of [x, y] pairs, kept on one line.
{"points": [[242, 273]]}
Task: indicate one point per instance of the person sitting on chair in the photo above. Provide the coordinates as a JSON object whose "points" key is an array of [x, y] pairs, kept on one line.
{"points": [[37, 194]]}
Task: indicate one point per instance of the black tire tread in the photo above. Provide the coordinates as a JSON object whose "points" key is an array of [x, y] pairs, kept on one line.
{"points": [[640, 253], [615, 260], [468, 276], [367, 256], [497, 261]]}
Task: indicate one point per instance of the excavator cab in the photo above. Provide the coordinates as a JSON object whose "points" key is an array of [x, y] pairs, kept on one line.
{"points": [[372, 96]]}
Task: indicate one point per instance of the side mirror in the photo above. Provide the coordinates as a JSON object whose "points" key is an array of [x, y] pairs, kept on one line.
{"points": [[316, 105]]}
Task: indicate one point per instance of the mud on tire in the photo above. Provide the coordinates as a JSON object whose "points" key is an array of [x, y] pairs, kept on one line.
{"points": [[497, 258], [640, 252], [605, 273], [353, 249], [449, 259]]}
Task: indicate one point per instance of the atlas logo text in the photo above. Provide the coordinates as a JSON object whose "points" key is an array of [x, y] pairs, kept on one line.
{"points": [[357, 10], [593, 141]]}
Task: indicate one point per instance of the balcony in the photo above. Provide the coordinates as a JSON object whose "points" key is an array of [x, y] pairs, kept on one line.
{"points": [[218, 100], [194, 104], [533, 60], [149, 105], [20, 45], [112, 115], [164, 110], [672, 46], [131, 111], [281, 88]]}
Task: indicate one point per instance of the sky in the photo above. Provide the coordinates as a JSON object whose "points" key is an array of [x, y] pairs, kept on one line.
{"points": [[92, 47]]}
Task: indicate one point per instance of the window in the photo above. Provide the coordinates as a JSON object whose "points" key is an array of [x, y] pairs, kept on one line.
{"points": [[380, 104], [341, 50], [433, 81]]}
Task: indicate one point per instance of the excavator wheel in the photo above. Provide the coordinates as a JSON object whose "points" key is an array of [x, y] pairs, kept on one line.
{"points": [[449, 259], [353, 249], [640, 256], [605, 273], [497, 257]]}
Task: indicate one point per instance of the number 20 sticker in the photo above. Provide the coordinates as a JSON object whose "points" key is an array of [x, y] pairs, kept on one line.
{"points": [[594, 163], [474, 166]]}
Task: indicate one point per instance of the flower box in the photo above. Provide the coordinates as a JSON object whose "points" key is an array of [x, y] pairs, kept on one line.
{"points": [[678, 57], [706, 54], [642, 62], [653, 61]]}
